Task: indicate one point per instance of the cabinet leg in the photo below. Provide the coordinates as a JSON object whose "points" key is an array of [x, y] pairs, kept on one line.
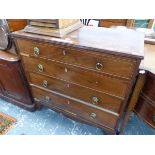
{"points": [[38, 106], [134, 98], [118, 132]]}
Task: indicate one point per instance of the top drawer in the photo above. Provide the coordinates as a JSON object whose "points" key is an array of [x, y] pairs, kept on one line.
{"points": [[100, 62]]}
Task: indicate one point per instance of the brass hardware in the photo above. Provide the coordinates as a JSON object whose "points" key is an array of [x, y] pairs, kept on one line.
{"points": [[47, 98], [66, 70], [68, 85], [45, 83], [92, 115], [36, 51], [37, 100], [99, 66], [64, 52], [40, 68], [95, 100]]}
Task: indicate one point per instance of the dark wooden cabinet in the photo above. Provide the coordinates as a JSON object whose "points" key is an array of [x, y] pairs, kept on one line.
{"points": [[88, 74], [16, 24], [13, 84], [145, 107]]}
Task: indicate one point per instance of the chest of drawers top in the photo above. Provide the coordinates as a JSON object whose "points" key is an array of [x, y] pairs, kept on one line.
{"points": [[124, 42]]}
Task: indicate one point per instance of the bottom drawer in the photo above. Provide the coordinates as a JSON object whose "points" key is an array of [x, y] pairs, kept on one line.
{"points": [[146, 110], [75, 108]]}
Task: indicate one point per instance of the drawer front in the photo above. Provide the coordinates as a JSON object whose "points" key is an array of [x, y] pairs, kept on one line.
{"points": [[75, 108], [88, 95], [103, 63], [146, 110], [77, 75]]}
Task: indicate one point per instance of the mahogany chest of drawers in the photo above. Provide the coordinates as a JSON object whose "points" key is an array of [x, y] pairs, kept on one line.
{"points": [[87, 75]]}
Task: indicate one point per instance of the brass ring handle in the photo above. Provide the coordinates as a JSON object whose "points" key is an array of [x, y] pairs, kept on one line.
{"points": [[99, 66], [66, 70], [40, 68], [47, 98], [36, 51], [64, 52], [93, 115], [95, 100], [45, 83]]}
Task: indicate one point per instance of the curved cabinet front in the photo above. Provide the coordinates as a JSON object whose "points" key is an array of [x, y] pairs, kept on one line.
{"points": [[13, 85], [145, 108]]}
